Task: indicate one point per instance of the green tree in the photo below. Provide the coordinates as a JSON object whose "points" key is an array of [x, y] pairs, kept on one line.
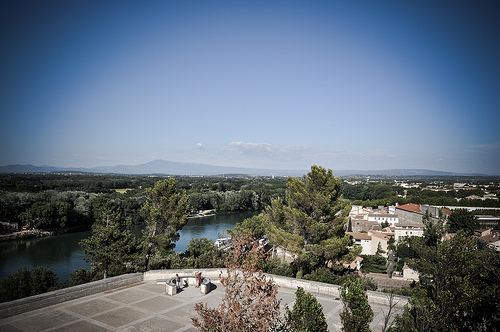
{"points": [[24, 283], [460, 286], [307, 314], [391, 244], [53, 214], [357, 313], [111, 245], [463, 219], [313, 218], [81, 276], [374, 263], [254, 225], [42, 280], [379, 251], [434, 230], [165, 214], [197, 247]]}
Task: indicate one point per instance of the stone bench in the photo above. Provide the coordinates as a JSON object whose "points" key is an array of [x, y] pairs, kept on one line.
{"points": [[186, 281]]}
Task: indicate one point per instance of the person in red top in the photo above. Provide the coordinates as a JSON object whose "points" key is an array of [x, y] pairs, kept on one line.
{"points": [[200, 278], [197, 277]]}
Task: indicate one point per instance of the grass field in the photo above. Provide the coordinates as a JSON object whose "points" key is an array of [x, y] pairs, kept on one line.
{"points": [[123, 191]]}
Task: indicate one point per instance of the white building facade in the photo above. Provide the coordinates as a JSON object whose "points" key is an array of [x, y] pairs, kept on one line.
{"points": [[392, 219]]}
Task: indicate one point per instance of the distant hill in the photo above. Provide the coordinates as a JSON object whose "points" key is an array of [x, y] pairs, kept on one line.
{"points": [[178, 168], [155, 167], [27, 169], [401, 172]]}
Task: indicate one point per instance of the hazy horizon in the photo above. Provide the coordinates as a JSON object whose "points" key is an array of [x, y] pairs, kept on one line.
{"points": [[268, 85]]}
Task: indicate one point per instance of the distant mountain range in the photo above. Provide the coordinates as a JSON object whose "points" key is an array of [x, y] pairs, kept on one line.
{"points": [[178, 168]]}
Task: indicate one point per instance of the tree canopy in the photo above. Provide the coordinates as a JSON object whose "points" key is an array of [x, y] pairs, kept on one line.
{"points": [[165, 213], [313, 217], [459, 286], [357, 313], [111, 244], [463, 219], [307, 314]]}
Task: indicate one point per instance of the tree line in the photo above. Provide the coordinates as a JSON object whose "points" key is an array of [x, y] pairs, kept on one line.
{"points": [[48, 201]]}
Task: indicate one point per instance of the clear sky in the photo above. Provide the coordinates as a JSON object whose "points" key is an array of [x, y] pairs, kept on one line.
{"points": [[265, 84]]}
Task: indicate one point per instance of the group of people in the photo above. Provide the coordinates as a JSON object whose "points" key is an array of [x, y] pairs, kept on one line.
{"points": [[197, 277]]}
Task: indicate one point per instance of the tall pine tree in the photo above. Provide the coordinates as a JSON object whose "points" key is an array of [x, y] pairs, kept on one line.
{"points": [[165, 213]]}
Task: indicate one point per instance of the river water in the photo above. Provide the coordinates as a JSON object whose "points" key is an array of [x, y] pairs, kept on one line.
{"points": [[62, 254]]}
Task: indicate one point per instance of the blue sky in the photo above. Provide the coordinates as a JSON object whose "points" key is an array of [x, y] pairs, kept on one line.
{"points": [[265, 84]]}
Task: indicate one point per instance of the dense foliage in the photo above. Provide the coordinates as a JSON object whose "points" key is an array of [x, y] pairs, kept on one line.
{"points": [[62, 200], [112, 248], [26, 282], [307, 314], [459, 286], [374, 264], [165, 213], [311, 221], [357, 313], [462, 219], [59, 200]]}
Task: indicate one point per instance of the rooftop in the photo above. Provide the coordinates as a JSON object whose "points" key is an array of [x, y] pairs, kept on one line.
{"points": [[360, 236], [409, 207], [144, 306]]}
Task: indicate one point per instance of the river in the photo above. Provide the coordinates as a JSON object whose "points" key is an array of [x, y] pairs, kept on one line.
{"points": [[62, 254]]}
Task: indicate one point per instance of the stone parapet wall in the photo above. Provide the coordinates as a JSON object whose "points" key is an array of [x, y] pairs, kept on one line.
{"points": [[329, 290], [166, 274], [392, 283], [19, 306], [314, 287]]}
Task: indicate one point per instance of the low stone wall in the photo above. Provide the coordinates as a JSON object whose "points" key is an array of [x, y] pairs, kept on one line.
{"points": [[16, 307], [166, 274], [392, 283], [314, 287], [323, 289], [308, 286]]}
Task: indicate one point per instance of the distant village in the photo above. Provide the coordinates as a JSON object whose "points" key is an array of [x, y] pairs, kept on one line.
{"points": [[372, 229]]}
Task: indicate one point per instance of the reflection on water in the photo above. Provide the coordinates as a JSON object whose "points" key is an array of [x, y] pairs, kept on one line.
{"points": [[209, 227], [62, 254]]}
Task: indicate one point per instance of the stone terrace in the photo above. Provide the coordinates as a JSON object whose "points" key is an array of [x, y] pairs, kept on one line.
{"points": [[136, 303]]}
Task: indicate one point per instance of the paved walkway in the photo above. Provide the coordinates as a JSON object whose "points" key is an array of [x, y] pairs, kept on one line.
{"points": [[146, 307]]}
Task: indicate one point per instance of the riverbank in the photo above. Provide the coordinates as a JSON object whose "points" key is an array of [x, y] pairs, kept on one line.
{"points": [[29, 234], [36, 233]]}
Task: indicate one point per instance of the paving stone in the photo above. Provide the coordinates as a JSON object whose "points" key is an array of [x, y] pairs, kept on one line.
{"points": [[92, 307], [157, 304], [154, 324], [120, 317], [128, 296], [43, 321], [9, 328], [82, 326], [153, 288]]}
